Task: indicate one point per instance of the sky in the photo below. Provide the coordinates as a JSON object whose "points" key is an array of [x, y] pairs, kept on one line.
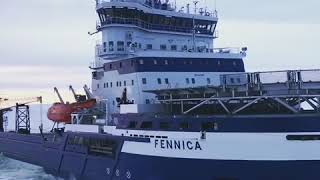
{"points": [[44, 44]]}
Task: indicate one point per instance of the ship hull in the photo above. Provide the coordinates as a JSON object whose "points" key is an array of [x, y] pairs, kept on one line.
{"points": [[58, 159]]}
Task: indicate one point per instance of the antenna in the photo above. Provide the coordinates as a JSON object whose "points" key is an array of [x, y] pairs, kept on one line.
{"points": [[195, 6], [188, 8], [215, 5]]}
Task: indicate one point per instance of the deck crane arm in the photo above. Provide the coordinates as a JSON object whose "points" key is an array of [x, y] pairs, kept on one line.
{"points": [[58, 94], [74, 93], [88, 93]]}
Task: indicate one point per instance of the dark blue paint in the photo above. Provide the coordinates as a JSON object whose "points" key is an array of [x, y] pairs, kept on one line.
{"points": [[63, 159], [174, 65], [266, 123]]}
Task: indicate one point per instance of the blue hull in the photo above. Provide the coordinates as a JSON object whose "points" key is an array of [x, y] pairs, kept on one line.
{"points": [[62, 160]]}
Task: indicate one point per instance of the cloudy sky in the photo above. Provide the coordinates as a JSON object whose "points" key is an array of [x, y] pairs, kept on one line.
{"points": [[45, 43]]}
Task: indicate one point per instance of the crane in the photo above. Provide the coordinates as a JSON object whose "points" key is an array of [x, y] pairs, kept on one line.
{"points": [[22, 112], [58, 94], [77, 97]]}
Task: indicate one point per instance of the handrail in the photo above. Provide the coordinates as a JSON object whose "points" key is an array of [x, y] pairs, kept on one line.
{"points": [[146, 25]]}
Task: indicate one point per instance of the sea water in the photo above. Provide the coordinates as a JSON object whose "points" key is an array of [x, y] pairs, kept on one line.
{"points": [[15, 170]]}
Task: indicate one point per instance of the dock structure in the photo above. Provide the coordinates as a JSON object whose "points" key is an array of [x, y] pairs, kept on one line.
{"points": [[273, 92]]}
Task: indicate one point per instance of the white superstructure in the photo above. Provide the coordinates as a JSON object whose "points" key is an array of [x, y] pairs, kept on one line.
{"points": [[149, 45]]}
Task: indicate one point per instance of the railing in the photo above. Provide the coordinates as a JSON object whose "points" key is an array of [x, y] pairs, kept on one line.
{"points": [[290, 77], [163, 6], [149, 26], [222, 51]]}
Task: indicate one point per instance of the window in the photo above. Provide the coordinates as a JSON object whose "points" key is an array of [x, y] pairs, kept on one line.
{"points": [[147, 101], [166, 62], [146, 125], [193, 81], [208, 126], [120, 83], [173, 47], [187, 81], [110, 66], [107, 85], [104, 47], [120, 45], [141, 61], [104, 85], [303, 137], [185, 48], [163, 47], [129, 44], [164, 125], [125, 83], [144, 81], [208, 81], [159, 81], [132, 82], [166, 80], [239, 80], [232, 80], [98, 86], [132, 124], [149, 46], [111, 84], [184, 126], [120, 64], [234, 63], [111, 46], [155, 62], [117, 84]]}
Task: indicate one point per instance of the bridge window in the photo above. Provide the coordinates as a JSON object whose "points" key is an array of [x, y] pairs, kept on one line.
{"points": [[173, 47], [166, 80], [146, 125], [144, 80], [120, 45], [104, 47], [149, 46], [163, 47], [159, 81], [111, 48]]}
